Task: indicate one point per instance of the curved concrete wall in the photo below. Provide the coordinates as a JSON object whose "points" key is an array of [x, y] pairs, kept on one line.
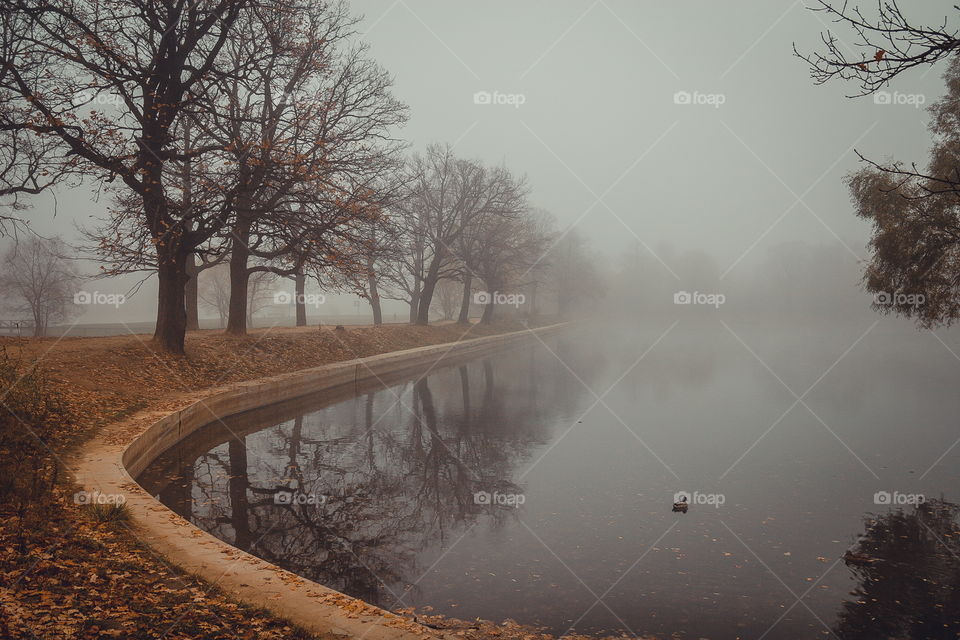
{"points": [[120, 452]]}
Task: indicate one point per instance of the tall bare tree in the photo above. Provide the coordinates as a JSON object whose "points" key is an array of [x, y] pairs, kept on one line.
{"points": [[451, 194], [150, 60], [307, 135]]}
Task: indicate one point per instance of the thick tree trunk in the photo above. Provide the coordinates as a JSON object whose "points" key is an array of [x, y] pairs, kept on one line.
{"points": [[171, 313], [191, 294], [374, 296], [239, 282], [414, 305], [426, 293], [377, 310], [464, 317], [300, 286]]}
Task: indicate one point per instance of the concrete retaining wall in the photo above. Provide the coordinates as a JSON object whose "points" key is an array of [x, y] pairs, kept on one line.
{"points": [[120, 452]]}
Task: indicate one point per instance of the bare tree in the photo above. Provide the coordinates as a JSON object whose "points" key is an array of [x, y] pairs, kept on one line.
{"points": [[259, 293], [451, 194], [306, 133], [29, 163], [150, 60], [447, 298], [214, 291], [507, 249], [38, 278]]}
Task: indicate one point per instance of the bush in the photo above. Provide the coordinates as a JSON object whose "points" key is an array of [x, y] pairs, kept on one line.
{"points": [[32, 417], [109, 513]]}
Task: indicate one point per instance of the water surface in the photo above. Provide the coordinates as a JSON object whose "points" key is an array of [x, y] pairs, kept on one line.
{"points": [[537, 484]]}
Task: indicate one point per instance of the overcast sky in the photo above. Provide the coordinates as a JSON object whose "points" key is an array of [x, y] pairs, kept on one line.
{"points": [[588, 94], [601, 137]]}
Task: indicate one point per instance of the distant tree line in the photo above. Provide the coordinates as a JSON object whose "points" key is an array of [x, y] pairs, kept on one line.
{"points": [[259, 136]]}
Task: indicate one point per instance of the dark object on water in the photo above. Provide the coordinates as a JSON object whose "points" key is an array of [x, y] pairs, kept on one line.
{"points": [[681, 507]]}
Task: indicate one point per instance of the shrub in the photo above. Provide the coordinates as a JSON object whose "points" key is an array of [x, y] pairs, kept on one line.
{"points": [[32, 417]]}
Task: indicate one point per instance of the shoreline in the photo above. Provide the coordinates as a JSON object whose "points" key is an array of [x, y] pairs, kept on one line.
{"points": [[118, 452]]}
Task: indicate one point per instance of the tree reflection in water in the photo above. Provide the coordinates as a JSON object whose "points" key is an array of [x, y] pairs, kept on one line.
{"points": [[907, 565], [374, 480]]}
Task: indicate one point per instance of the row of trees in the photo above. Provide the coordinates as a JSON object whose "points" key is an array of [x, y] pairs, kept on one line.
{"points": [[259, 135]]}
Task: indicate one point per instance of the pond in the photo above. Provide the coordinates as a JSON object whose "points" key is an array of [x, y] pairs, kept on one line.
{"points": [[537, 484]]}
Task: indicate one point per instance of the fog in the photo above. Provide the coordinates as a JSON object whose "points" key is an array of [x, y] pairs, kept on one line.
{"points": [[739, 191], [729, 439]]}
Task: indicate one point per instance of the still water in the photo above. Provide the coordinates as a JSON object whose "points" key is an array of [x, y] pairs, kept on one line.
{"points": [[537, 484]]}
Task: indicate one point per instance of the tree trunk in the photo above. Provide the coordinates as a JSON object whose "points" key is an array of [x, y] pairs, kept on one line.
{"points": [[39, 326], [239, 281], [414, 305], [300, 286], [171, 313], [487, 316], [426, 294], [374, 295], [464, 317], [191, 294]]}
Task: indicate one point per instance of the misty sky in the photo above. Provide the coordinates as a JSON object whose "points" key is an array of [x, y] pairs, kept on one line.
{"points": [[599, 134]]}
